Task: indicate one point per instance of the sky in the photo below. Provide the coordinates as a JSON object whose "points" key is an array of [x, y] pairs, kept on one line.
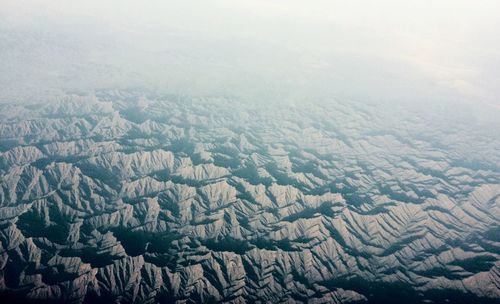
{"points": [[397, 51]]}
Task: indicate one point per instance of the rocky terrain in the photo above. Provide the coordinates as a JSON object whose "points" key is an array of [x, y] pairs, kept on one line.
{"points": [[125, 197]]}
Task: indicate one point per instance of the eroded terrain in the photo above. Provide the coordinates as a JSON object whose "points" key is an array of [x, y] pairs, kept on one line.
{"points": [[124, 197]]}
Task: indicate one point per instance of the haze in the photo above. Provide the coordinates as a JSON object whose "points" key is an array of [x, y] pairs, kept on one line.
{"points": [[417, 51], [249, 151]]}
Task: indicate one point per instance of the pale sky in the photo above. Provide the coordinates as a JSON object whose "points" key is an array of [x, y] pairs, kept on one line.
{"points": [[396, 50]]}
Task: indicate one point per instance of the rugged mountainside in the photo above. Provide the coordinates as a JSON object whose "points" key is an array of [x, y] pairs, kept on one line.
{"points": [[123, 197]]}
